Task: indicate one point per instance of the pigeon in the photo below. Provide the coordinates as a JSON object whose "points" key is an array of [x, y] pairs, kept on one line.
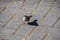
{"points": [[33, 23], [26, 18]]}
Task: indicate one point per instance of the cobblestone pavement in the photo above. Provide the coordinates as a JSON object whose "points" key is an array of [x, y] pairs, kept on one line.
{"points": [[47, 12]]}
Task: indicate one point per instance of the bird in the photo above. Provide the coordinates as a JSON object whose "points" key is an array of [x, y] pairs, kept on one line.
{"points": [[26, 18], [33, 23]]}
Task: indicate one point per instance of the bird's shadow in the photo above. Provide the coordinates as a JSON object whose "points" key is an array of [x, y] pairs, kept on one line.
{"points": [[33, 23]]}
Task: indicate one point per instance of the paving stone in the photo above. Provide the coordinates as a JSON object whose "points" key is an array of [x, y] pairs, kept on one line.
{"points": [[7, 31], [57, 3], [15, 37], [48, 1], [6, 11], [52, 17], [3, 3], [5, 0], [27, 11], [17, 20], [11, 37], [15, 4], [44, 28], [1, 8], [53, 36], [25, 30], [20, 1], [52, 33], [6, 15], [31, 4], [12, 7], [42, 10], [37, 35], [57, 26]]}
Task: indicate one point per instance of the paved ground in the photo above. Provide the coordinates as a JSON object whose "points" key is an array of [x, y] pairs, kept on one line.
{"points": [[47, 12]]}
